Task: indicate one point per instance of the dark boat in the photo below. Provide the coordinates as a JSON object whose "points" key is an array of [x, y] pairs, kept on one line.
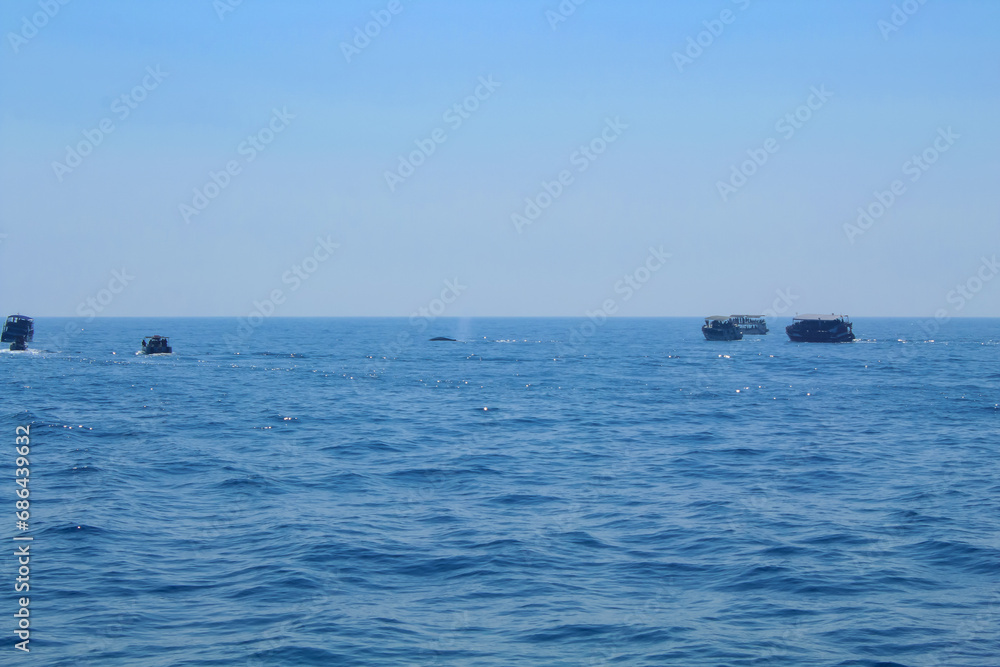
{"points": [[156, 345], [820, 329], [750, 324], [18, 330], [721, 328]]}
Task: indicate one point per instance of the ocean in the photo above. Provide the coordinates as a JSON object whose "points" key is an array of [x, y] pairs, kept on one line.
{"points": [[538, 492]]}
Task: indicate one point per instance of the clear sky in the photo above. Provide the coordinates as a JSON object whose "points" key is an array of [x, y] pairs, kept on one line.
{"points": [[639, 117]]}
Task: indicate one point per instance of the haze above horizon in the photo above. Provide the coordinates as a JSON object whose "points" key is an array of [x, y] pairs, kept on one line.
{"points": [[529, 158]]}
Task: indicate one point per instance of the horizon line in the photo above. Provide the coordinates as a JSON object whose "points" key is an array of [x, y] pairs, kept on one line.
{"points": [[467, 317]]}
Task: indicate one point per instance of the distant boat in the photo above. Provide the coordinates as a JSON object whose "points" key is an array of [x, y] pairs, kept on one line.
{"points": [[156, 345], [18, 330], [443, 338], [820, 329], [750, 324], [718, 327]]}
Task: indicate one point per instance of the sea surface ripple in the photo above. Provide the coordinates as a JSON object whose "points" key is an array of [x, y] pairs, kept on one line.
{"points": [[538, 492]]}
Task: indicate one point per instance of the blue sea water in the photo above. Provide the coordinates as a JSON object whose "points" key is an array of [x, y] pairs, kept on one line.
{"points": [[540, 492]]}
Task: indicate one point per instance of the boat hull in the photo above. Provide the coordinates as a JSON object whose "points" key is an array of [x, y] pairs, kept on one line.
{"points": [[716, 333], [801, 335]]}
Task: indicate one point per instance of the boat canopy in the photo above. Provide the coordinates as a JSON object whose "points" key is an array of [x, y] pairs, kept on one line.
{"points": [[17, 327], [824, 318]]}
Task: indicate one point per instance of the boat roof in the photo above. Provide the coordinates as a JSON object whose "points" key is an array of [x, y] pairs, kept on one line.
{"points": [[754, 316], [717, 317], [15, 318], [157, 336], [827, 318]]}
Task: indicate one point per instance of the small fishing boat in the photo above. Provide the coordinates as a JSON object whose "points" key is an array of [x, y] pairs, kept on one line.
{"points": [[156, 345], [718, 327], [820, 329], [750, 324], [18, 330]]}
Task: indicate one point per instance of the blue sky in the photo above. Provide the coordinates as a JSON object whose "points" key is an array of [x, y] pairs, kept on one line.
{"points": [[224, 79]]}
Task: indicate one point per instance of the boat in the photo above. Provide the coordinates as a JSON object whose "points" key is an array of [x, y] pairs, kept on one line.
{"points": [[18, 330], [750, 324], [156, 345], [820, 329], [718, 327]]}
